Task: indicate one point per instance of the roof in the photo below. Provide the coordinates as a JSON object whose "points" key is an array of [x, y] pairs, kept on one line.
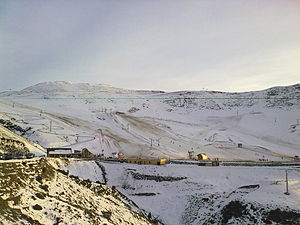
{"points": [[51, 149], [61, 152], [151, 159]]}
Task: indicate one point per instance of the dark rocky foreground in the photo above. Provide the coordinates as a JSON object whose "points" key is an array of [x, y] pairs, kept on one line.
{"points": [[157, 178], [228, 208]]}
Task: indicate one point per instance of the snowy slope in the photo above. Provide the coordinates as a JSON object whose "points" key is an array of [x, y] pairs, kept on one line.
{"points": [[106, 119], [205, 191], [195, 195], [85, 169]]}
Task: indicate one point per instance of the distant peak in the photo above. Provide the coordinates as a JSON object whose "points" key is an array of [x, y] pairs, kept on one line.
{"points": [[66, 86]]}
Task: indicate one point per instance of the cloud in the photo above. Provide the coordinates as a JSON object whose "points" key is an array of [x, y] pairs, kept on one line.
{"points": [[169, 45]]}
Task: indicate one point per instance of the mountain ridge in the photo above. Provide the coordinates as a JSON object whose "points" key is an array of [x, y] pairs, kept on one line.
{"points": [[66, 86]]}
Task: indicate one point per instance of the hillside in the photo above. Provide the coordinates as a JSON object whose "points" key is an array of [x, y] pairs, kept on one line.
{"points": [[12, 142], [106, 119], [37, 192], [194, 195]]}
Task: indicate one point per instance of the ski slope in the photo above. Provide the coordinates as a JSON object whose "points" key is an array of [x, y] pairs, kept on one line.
{"points": [[106, 119]]}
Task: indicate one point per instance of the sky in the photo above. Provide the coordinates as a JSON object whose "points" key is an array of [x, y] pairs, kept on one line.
{"points": [[226, 45]]}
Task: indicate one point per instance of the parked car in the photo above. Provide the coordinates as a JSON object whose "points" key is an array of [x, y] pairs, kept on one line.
{"points": [[29, 155], [20, 155], [8, 156], [17, 155]]}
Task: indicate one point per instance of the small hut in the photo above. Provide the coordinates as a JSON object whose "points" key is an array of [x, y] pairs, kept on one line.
{"points": [[121, 156], [202, 156], [191, 154], [85, 153]]}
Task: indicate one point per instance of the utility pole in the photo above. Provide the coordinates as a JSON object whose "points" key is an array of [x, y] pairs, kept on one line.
{"points": [[50, 126], [100, 143], [101, 135], [151, 142], [287, 183]]}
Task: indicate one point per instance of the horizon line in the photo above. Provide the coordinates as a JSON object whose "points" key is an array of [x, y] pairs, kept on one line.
{"points": [[152, 98]]}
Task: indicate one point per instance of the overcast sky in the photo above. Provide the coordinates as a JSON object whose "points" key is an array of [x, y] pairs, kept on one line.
{"points": [[228, 45]]}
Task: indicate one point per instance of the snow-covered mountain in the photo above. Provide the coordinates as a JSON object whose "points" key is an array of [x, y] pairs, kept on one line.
{"points": [[106, 119], [68, 89]]}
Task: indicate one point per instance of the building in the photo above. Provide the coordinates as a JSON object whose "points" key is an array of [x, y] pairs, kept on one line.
{"points": [[85, 153], [62, 152], [69, 153], [202, 156], [191, 154], [121, 156], [147, 161]]}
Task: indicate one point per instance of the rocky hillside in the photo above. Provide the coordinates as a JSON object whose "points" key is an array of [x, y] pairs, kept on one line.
{"points": [[12, 142], [37, 192], [276, 97]]}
